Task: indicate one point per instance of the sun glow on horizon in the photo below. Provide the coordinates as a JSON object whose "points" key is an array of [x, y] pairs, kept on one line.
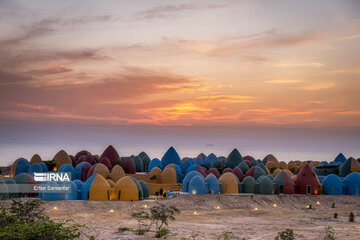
{"points": [[265, 67]]}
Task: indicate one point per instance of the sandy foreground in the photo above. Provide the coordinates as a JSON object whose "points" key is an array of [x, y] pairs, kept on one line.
{"points": [[236, 214]]}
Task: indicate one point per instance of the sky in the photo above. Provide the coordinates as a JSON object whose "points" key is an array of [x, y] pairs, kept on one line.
{"points": [[203, 65]]}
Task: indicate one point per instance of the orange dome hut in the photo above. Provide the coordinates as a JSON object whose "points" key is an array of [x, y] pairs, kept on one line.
{"points": [[117, 172], [169, 175], [61, 158], [126, 189], [35, 159], [98, 168], [155, 175], [229, 183], [96, 188]]}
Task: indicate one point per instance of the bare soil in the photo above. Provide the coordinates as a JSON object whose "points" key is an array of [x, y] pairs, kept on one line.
{"points": [[237, 214]]}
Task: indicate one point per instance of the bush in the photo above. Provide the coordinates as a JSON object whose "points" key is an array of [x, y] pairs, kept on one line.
{"points": [[120, 163], [124, 229], [163, 232], [288, 234], [227, 235], [26, 221], [141, 216], [329, 233], [161, 215]]}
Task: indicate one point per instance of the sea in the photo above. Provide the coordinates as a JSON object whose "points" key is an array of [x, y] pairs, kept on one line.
{"points": [[285, 144]]}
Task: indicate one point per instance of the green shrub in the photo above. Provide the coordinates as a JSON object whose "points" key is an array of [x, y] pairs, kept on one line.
{"points": [[120, 163], [25, 220], [329, 233], [227, 235], [288, 234], [141, 216], [163, 232], [124, 229], [161, 215]]}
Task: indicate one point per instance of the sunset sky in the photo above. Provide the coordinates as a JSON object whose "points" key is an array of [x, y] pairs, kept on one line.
{"points": [[181, 63]]}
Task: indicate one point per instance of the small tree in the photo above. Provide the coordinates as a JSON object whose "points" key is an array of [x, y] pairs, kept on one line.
{"points": [[288, 234], [161, 215], [141, 216], [329, 233]]}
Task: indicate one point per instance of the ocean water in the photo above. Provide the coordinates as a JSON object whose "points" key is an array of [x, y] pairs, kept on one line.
{"points": [[285, 144], [10, 151]]}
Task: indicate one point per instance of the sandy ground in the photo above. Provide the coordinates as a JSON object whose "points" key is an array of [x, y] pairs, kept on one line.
{"points": [[236, 214]]}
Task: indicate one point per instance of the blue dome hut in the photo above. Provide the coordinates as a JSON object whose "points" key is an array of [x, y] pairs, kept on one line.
{"points": [[155, 163], [213, 185], [171, 156], [187, 179], [352, 184], [332, 185], [197, 185]]}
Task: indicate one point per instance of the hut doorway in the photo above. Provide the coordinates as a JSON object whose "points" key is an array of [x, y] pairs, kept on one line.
{"points": [[308, 189]]}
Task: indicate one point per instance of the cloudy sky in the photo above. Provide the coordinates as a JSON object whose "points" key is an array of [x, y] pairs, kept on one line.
{"points": [[181, 63]]}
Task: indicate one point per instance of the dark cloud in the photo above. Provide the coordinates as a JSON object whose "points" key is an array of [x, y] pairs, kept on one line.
{"points": [[115, 96], [11, 78], [10, 59], [90, 19], [50, 69], [29, 32], [172, 11]]}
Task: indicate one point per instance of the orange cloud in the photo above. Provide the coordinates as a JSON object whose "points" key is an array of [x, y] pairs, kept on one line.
{"points": [[227, 99], [286, 64], [284, 81], [319, 86]]}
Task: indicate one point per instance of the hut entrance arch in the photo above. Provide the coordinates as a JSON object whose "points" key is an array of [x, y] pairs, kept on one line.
{"points": [[308, 189], [281, 189]]}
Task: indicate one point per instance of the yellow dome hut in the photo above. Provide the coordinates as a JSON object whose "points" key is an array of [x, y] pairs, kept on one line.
{"points": [[61, 158], [126, 189], [117, 172], [35, 159], [229, 183]]}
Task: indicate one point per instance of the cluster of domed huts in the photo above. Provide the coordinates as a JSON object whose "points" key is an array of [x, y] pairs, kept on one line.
{"points": [[111, 177]]}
